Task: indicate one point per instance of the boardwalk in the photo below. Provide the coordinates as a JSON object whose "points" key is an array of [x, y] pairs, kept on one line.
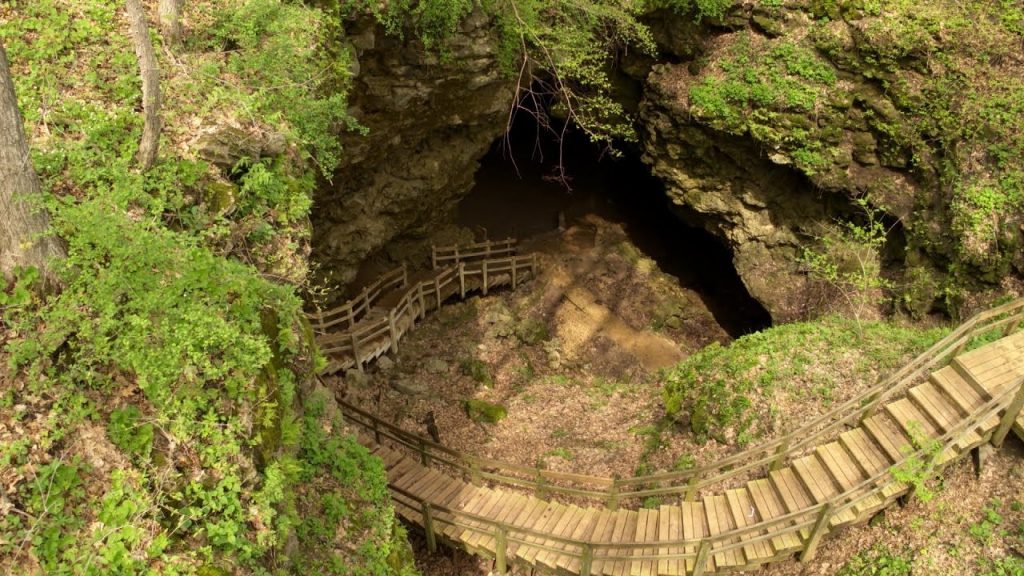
{"points": [[834, 472], [374, 322]]}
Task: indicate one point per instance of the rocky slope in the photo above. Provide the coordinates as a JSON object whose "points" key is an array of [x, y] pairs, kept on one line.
{"points": [[767, 123], [430, 117]]}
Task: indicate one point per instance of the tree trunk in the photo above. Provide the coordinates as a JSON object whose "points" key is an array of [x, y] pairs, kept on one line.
{"points": [[170, 21], [22, 224], [150, 84]]}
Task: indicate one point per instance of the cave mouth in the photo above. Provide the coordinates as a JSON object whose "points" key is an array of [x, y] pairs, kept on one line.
{"points": [[520, 193]]}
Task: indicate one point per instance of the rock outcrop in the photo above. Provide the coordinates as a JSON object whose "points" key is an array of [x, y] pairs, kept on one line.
{"points": [[431, 114]]}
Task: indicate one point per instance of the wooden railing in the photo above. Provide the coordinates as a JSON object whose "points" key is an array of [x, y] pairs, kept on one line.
{"points": [[350, 312], [1002, 321], [361, 341], [453, 255], [815, 520]]}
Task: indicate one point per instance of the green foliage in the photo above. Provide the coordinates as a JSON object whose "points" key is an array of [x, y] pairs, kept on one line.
{"points": [[849, 260], [477, 370], [128, 434], [766, 88], [481, 411], [731, 388], [877, 562], [701, 8], [1005, 566], [918, 468]]}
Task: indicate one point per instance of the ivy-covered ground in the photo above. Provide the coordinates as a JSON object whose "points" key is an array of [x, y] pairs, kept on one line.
{"points": [[157, 416]]}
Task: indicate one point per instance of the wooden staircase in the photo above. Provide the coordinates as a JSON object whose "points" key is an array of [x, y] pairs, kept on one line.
{"points": [[373, 323], [834, 472]]}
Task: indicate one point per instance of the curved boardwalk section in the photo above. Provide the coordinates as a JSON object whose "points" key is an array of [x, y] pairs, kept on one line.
{"points": [[374, 322], [834, 472]]}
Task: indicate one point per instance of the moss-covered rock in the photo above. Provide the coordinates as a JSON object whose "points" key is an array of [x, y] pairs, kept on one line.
{"points": [[485, 412]]}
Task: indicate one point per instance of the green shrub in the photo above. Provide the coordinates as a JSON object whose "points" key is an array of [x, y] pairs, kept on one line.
{"points": [[877, 562]]}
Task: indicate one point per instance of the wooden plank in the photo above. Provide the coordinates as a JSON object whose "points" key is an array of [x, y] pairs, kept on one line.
{"points": [[535, 508], [476, 507], [961, 393], [817, 482], [890, 438], [911, 420], [584, 532], [562, 529], [866, 454], [695, 526], [647, 531], [544, 526], [603, 532], [629, 522], [471, 502], [719, 521], [840, 465], [769, 506], [930, 401], [745, 513], [491, 511]]}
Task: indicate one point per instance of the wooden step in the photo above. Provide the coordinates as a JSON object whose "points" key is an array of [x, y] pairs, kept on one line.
{"points": [[563, 529], [719, 521], [604, 532], [745, 513], [646, 531], [545, 524], [888, 436], [820, 485], [584, 532], [871, 459], [769, 505], [630, 519], [695, 527], [670, 528], [527, 518]]}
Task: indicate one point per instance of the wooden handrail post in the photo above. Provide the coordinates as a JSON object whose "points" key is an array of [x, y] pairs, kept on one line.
{"points": [[871, 406], [393, 329], [1009, 417], [515, 276], [1012, 326], [691, 488], [462, 280], [485, 277], [355, 352], [437, 291], [613, 495], [366, 297], [428, 526], [781, 453], [820, 527], [700, 564], [376, 431], [586, 559], [542, 483], [424, 458], [457, 261], [423, 302], [502, 549], [474, 474]]}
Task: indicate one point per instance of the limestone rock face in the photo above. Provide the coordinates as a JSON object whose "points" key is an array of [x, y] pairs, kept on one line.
{"points": [[429, 120], [768, 124]]}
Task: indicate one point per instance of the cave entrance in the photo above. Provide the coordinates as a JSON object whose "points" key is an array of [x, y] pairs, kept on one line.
{"points": [[518, 193]]}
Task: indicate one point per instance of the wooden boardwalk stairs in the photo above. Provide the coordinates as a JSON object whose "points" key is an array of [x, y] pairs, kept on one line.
{"points": [[764, 504], [374, 322]]}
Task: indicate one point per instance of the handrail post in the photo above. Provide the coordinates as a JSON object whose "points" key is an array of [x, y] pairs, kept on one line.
{"points": [[423, 301], [820, 526], [781, 453], [700, 564], [376, 431], [502, 548], [542, 491], [462, 280], [613, 495], [366, 298], [424, 458], [586, 559], [515, 270], [474, 474], [1009, 417], [485, 277], [355, 353], [1012, 326], [393, 329], [691, 488], [428, 526], [870, 407]]}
